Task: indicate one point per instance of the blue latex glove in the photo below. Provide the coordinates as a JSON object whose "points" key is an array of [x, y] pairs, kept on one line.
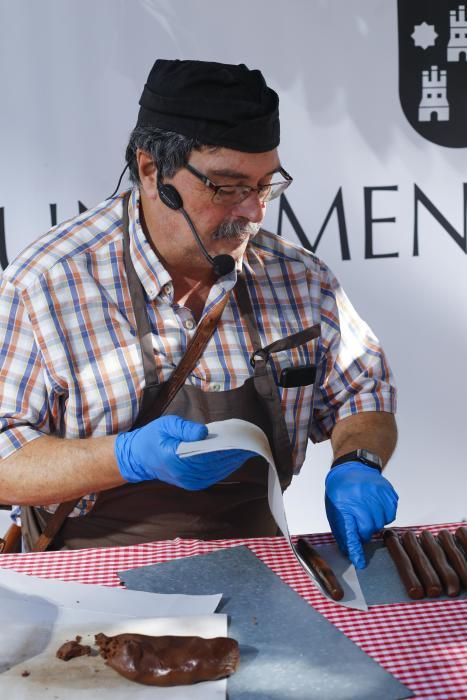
{"points": [[150, 452], [359, 502]]}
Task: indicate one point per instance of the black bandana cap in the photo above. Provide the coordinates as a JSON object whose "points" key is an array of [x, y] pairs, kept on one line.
{"points": [[217, 103]]}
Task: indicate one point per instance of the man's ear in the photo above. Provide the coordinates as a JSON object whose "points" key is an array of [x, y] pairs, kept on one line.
{"points": [[147, 171]]}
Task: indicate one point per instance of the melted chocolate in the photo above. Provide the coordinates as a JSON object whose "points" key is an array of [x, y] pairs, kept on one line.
{"points": [[454, 555], [437, 557], [422, 565], [169, 660], [70, 650], [403, 565]]}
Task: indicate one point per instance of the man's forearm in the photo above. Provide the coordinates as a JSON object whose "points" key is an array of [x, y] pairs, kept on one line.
{"points": [[373, 430], [53, 470]]}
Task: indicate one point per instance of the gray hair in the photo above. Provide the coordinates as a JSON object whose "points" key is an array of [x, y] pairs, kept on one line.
{"points": [[169, 150]]}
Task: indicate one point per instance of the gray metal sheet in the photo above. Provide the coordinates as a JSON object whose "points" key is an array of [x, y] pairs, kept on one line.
{"points": [[289, 651]]}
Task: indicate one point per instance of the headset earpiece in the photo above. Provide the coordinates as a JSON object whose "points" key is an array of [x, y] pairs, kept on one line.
{"points": [[169, 196]]}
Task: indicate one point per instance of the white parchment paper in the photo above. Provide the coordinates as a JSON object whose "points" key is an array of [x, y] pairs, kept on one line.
{"points": [[232, 433], [34, 672], [39, 615], [101, 598]]}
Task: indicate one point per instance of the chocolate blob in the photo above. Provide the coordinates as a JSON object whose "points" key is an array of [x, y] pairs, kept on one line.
{"points": [[421, 564], [70, 650], [403, 565], [436, 555], [169, 660], [454, 554]]}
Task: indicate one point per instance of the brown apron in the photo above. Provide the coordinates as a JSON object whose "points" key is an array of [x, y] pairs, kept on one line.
{"points": [[235, 507]]}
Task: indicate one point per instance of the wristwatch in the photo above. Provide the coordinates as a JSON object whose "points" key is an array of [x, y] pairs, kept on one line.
{"points": [[364, 456]]}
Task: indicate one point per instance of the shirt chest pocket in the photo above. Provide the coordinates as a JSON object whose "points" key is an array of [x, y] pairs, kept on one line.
{"points": [[294, 369], [294, 358]]}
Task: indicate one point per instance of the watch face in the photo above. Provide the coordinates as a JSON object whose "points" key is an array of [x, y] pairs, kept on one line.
{"points": [[370, 457]]}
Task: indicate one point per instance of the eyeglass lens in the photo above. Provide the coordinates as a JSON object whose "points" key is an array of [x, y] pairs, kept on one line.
{"points": [[234, 194]]}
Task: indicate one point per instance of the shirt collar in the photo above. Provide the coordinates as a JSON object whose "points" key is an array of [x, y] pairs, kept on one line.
{"points": [[148, 267]]}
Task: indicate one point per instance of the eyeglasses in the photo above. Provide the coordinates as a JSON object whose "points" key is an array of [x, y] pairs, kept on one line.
{"points": [[229, 195]]}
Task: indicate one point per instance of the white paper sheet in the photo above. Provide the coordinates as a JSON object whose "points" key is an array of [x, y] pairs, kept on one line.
{"points": [[228, 435], [31, 649], [120, 601], [38, 615]]}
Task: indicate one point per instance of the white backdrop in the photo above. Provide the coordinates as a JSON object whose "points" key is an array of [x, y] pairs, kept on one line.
{"points": [[71, 73]]}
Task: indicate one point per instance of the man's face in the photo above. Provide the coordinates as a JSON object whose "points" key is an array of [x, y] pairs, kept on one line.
{"points": [[224, 226]]}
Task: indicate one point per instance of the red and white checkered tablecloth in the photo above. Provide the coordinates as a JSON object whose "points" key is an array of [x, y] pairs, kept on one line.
{"points": [[424, 644]]}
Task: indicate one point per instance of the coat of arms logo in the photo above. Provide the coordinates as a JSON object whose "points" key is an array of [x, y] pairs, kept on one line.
{"points": [[433, 69]]}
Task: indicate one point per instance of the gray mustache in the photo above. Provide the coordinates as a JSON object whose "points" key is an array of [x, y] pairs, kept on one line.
{"points": [[236, 230]]}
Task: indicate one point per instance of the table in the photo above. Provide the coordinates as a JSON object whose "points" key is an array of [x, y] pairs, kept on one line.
{"points": [[423, 644]]}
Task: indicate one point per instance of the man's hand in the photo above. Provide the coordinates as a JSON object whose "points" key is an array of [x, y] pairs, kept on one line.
{"points": [[150, 452], [359, 502]]}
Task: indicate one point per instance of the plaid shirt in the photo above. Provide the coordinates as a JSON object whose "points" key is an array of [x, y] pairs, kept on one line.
{"points": [[70, 360]]}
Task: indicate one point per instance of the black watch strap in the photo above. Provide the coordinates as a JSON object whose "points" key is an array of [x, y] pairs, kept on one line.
{"points": [[364, 456]]}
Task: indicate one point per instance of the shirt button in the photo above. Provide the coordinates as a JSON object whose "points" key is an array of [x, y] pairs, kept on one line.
{"points": [[215, 387], [189, 324]]}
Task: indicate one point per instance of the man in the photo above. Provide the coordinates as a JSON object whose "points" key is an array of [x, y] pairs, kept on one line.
{"points": [[97, 314]]}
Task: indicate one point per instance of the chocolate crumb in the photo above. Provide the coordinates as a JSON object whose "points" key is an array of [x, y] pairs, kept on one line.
{"points": [[25, 674], [69, 650]]}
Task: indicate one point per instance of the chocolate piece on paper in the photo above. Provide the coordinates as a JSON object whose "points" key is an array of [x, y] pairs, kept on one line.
{"points": [[320, 567], [169, 660]]}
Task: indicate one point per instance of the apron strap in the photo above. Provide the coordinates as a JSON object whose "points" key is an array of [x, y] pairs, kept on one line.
{"points": [[54, 525], [195, 349], [246, 309], [292, 341], [138, 301], [267, 390]]}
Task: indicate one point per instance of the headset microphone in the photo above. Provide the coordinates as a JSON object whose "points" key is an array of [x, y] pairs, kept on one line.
{"points": [[222, 264]]}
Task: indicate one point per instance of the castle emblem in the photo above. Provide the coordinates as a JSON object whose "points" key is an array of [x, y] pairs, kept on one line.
{"points": [[433, 69], [434, 102], [457, 46]]}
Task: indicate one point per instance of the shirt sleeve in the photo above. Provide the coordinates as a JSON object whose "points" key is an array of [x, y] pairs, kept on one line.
{"points": [[24, 401], [353, 373]]}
